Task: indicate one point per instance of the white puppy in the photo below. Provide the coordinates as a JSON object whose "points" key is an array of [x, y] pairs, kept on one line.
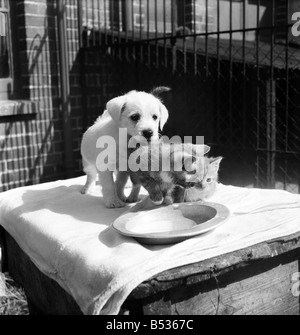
{"points": [[141, 114]]}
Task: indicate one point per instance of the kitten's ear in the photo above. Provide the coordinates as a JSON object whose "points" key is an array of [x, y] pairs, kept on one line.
{"points": [[116, 106], [215, 163], [200, 149]]}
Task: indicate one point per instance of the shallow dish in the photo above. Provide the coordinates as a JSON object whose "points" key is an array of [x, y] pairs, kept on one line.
{"points": [[173, 223]]}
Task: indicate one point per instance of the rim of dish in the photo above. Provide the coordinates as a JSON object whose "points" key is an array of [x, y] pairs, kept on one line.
{"points": [[221, 216]]}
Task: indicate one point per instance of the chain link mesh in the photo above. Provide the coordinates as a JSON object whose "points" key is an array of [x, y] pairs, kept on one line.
{"points": [[234, 81]]}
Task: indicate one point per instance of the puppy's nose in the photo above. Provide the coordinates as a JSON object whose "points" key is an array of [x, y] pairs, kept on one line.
{"points": [[147, 133]]}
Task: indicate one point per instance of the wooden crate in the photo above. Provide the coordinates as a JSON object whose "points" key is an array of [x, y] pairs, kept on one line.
{"points": [[254, 280]]}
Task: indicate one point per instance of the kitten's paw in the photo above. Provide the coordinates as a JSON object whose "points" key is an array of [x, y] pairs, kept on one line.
{"points": [[114, 202]]}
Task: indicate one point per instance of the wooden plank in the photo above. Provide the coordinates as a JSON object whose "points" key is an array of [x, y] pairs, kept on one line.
{"points": [[158, 305], [201, 271], [267, 293], [263, 287]]}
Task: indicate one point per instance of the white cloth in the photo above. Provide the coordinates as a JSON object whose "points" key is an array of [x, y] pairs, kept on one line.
{"points": [[67, 236]]}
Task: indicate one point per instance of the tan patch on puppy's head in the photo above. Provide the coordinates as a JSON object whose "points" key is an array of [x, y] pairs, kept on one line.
{"points": [[141, 113]]}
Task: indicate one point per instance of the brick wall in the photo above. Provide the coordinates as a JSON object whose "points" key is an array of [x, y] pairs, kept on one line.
{"points": [[32, 144]]}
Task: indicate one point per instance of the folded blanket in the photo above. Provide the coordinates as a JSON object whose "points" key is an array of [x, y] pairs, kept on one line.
{"points": [[68, 237]]}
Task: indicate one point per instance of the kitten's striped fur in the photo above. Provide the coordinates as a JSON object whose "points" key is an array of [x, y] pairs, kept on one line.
{"points": [[172, 185]]}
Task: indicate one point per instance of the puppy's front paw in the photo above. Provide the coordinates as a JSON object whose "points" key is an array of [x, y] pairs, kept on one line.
{"points": [[114, 202]]}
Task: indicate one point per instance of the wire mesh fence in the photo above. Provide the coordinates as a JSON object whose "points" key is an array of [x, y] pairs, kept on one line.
{"points": [[234, 70]]}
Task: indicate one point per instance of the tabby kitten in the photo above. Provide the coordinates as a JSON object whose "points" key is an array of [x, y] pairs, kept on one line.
{"points": [[196, 179], [203, 187]]}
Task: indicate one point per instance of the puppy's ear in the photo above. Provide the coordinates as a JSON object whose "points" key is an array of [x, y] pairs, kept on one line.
{"points": [[164, 114], [116, 106]]}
